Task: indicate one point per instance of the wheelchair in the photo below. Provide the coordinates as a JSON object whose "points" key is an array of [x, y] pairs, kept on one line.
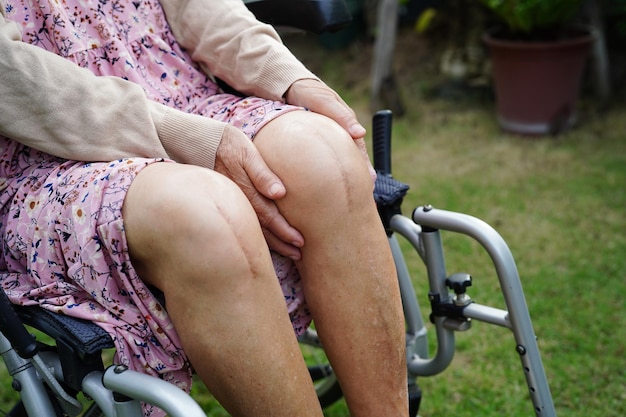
{"points": [[49, 375]]}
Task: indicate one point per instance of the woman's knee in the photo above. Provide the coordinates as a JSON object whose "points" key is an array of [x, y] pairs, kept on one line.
{"points": [[313, 154], [183, 209]]}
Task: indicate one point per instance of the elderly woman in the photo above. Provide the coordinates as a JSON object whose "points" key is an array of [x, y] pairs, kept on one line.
{"points": [[126, 172]]}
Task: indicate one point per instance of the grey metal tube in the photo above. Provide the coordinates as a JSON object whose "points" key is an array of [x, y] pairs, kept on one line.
{"points": [[175, 402], [428, 246], [92, 386], [443, 356], [435, 264], [33, 393], [510, 284], [420, 365], [487, 314], [127, 408], [417, 342], [407, 228], [436, 269]]}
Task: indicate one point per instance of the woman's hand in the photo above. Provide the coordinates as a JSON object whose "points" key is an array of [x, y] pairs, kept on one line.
{"points": [[238, 159], [319, 98]]}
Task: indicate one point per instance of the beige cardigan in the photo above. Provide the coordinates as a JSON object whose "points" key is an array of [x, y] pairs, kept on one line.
{"points": [[51, 104]]}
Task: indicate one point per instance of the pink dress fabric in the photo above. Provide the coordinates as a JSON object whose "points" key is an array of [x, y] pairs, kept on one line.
{"points": [[61, 229]]}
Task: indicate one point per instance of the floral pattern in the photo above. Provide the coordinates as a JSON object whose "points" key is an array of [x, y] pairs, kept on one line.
{"points": [[62, 235]]}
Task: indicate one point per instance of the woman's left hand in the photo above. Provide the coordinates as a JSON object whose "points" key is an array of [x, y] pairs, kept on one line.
{"points": [[319, 98]]}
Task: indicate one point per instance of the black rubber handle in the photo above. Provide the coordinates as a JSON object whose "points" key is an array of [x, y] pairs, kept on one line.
{"points": [[381, 141], [12, 328]]}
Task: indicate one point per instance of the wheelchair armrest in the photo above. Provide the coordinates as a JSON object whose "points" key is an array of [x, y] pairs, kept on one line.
{"points": [[316, 16], [79, 343], [84, 337]]}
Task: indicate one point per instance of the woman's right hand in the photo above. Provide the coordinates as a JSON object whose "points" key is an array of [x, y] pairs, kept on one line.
{"points": [[238, 159]]}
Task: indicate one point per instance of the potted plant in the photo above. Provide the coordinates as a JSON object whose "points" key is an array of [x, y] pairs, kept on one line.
{"points": [[538, 57]]}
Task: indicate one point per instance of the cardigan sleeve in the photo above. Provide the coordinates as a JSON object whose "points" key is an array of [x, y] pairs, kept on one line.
{"points": [[53, 105], [225, 38]]}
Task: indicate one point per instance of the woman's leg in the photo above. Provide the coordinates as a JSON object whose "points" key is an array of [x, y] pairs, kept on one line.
{"points": [[347, 269], [193, 234]]}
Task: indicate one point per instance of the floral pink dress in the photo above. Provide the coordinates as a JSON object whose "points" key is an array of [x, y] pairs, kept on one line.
{"points": [[61, 229]]}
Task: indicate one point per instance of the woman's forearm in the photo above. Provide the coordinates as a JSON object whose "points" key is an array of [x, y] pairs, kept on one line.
{"points": [[225, 38], [51, 104]]}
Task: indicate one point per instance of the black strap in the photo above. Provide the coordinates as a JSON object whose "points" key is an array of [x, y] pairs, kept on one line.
{"points": [[389, 191]]}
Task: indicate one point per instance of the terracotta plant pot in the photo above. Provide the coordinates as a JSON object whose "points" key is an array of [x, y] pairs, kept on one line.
{"points": [[537, 84]]}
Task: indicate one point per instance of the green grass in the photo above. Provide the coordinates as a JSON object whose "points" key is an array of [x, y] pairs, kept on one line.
{"points": [[559, 202]]}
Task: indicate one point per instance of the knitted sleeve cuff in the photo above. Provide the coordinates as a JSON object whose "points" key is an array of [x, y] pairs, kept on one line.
{"points": [[188, 138]]}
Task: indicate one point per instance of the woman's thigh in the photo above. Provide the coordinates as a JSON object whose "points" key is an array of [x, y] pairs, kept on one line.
{"points": [[171, 209]]}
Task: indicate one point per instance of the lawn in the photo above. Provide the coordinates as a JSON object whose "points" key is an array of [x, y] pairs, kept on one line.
{"points": [[559, 202]]}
